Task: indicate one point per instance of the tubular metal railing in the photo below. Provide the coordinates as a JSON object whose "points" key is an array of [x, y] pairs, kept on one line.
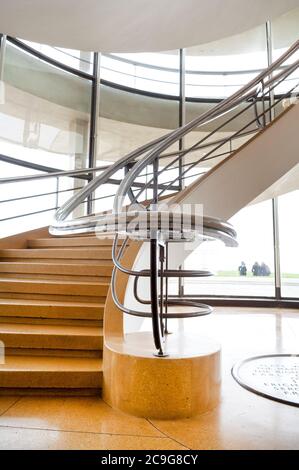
{"points": [[148, 175], [253, 106]]}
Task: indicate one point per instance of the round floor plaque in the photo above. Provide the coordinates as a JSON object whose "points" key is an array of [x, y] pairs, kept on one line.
{"points": [[275, 376]]}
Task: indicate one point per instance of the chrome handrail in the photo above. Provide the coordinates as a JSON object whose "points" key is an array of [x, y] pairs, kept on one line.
{"points": [[261, 86], [81, 171], [157, 146], [216, 112]]}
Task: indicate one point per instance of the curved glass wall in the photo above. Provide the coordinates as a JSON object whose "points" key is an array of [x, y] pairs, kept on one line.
{"points": [[45, 113], [156, 73], [79, 60], [60, 110]]}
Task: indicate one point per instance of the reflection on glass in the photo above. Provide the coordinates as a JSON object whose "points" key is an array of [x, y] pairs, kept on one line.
{"points": [[79, 60], [158, 73], [46, 112], [128, 121], [285, 34], [44, 119]]}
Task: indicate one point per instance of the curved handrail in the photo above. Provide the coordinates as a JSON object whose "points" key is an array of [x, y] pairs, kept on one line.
{"points": [[227, 105], [153, 149], [261, 86]]}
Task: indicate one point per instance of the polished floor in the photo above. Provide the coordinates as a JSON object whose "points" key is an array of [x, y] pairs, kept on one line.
{"points": [[242, 421]]}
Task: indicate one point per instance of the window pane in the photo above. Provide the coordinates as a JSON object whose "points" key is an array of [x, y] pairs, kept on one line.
{"points": [[44, 120], [45, 115], [80, 60], [153, 72], [255, 237], [288, 236], [129, 120]]}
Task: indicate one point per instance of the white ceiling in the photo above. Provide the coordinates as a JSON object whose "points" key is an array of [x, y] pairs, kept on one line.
{"points": [[134, 25]]}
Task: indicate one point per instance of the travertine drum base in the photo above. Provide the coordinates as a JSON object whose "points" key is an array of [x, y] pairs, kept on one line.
{"points": [[184, 384]]}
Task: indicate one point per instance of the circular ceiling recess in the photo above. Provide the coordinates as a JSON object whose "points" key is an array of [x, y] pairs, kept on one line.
{"points": [[134, 25], [275, 376]]}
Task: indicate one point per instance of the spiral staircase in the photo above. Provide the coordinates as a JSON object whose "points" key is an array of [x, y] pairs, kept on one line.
{"points": [[57, 288]]}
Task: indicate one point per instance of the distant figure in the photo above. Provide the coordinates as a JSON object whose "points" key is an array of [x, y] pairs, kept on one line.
{"points": [[256, 269], [265, 270], [242, 269]]}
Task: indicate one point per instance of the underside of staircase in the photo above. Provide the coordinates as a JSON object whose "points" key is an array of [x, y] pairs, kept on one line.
{"points": [[52, 297]]}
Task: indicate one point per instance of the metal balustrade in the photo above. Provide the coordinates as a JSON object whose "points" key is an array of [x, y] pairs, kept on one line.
{"points": [[144, 173]]}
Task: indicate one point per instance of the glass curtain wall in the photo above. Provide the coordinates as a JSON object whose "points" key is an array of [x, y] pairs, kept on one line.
{"points": [[48, 116], [142, 107], [215, 71], [249, 270], [44, 121], [45, 112]]}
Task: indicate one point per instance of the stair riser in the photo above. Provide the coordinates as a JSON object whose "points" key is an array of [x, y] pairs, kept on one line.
{"points": [[43, 342], [50, 321], [56, 277], [28, 287], [87, 263], [45, 379], [74, 253], [69, 242], [53, 352], [50, 392], [56, 268], [48, 312], [55, 298]]}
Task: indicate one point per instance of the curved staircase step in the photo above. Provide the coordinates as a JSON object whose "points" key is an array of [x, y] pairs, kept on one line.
{"points": [[60, 268], [54, 287], [69, 241], [54, 309], [29, 372], [60, 337], [58, 253]]}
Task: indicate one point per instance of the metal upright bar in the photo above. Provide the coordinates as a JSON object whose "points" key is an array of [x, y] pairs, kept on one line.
{"points": [[161, 259], [2, 60], [275, 215], [277, 269], [94, 120], [155, 182], [57, 192], [2, 55], [182, 122], [182, 108], [154, 296], [166, 331], [269, 41]]}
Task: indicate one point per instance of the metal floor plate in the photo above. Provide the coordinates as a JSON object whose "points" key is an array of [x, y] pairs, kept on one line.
{"points": [[274, 376]]}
